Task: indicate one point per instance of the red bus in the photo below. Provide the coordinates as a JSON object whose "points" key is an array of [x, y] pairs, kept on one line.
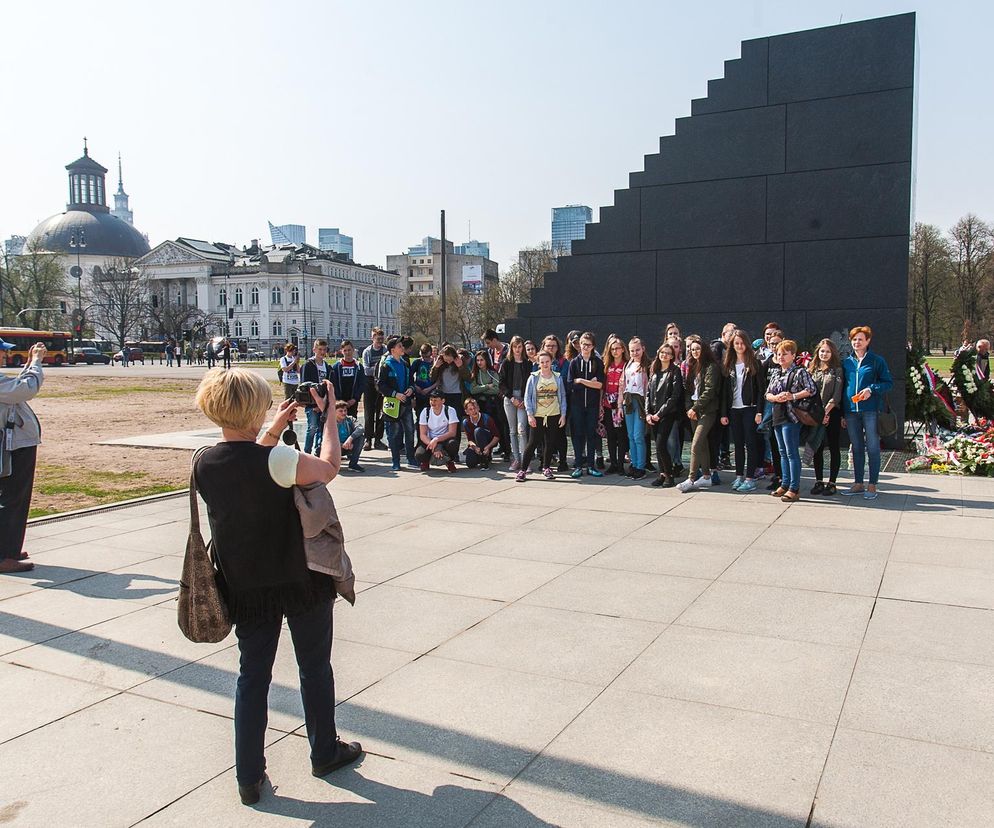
{"points": [[22, 339]]}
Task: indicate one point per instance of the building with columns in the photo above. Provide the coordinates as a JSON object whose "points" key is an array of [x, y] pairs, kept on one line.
{"points": [[267, 297]]}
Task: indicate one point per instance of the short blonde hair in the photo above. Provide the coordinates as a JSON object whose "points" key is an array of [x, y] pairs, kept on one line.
{"points": [[787, 345], [236, 398]]}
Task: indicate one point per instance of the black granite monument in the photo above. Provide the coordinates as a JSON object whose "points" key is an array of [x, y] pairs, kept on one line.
{"points": [[785, 196]]}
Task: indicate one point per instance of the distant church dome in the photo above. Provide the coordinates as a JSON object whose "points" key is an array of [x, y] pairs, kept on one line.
{"points": [[104, 234]]}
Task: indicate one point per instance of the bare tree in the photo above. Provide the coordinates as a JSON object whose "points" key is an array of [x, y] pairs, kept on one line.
{"points": [[166, 319], [462, 313], [118, 299], [971, 242], [928, 274], [35, 279], [420, 314]]}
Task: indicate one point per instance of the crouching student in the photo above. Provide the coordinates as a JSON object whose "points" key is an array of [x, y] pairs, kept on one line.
{"points": [[350, 435], [482, 435], [438, 426]]}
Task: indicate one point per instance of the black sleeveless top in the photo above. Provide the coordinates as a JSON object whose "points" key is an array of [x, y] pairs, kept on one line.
{"points": [[257, 538]]}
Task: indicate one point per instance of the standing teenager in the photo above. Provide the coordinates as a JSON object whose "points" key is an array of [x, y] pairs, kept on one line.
{"points": [[867, 379], [514, 373], [742, 400], [586, 380], [663, 404], [788, 385], [701, 399], [552, 346], [290, 370], [545, 402], [636, 381], [675, 444], [485, 385], [612, 417], [372, 402], [826, 371], [394, 380]]}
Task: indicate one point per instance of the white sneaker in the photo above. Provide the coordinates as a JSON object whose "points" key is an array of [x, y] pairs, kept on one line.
{"points": [[703, 482], [686, 486]]}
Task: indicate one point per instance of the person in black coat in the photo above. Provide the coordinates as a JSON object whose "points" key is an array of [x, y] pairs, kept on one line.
{"points": [[663, 406]]}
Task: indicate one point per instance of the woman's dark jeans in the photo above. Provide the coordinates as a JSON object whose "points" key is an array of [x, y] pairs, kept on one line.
{"points": [[662, 430], [742, 423], [311, 633], [833, 438], [617, 438]]}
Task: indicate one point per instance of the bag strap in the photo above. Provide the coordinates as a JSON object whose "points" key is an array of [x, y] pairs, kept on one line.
{"points": [[194, 508]]}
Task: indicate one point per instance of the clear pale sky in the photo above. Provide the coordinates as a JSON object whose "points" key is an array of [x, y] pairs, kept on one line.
{"points": [[371, 116]]}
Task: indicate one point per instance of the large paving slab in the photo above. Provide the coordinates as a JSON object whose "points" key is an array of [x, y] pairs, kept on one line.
{"points": [[571, 654]]}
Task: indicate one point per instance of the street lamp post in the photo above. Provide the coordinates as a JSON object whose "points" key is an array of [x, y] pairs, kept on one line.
{"points": [[77, 241]]}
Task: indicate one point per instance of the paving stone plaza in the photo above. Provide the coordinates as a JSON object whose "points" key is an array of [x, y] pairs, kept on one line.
{"points": [[632, 658]]}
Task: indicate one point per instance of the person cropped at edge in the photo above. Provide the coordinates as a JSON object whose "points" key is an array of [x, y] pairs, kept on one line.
{"points": [[867, 380], [258, 543], [394, 380], [20, 445]]}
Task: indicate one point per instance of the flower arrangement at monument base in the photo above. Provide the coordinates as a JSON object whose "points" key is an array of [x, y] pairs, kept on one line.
{"points": [[969, 451], [977, 393], [928, 399]]}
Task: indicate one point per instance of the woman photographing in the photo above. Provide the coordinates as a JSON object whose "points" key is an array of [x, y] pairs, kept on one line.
{"points": [[247, 482], [18, 454]]}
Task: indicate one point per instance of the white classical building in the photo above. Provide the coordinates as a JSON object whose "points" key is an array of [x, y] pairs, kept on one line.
{"points": [[268, 297]]}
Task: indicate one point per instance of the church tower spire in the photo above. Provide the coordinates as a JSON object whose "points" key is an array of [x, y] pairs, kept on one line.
{"points": [[121, 209]]}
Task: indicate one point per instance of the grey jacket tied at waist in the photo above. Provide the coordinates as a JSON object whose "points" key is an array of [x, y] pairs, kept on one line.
{"points": [[324, 540], [14, 395]]}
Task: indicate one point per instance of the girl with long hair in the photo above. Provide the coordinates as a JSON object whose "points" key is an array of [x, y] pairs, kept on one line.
{"points": [[554, 348], [635, 384], [514, 373], [663, 404], [612, 417], [741, 399], [484, 384], [788, 384], [701, 399], [826, 371]]}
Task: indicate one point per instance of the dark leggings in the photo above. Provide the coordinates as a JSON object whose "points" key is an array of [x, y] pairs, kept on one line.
{"points": [[545, 433], [662, 430], [742, 424], [833, 434], [617, 438]]}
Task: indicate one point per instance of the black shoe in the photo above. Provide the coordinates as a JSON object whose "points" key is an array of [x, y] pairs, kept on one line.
{"points": [[563, 467], [249, 794], [659, 481], [818, 488], [774, 484], [638, 474], [830, 489], [669, 483], [357, 468], [368, 446], [346, 754], [630, 472], [380, 445], [600, 463], [678, 469], [649, 467]]}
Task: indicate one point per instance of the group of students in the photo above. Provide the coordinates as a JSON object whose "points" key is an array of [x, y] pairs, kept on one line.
{"points": [[522, 400]]}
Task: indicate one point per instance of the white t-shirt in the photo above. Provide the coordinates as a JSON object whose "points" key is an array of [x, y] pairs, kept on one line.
{"points": [[283, 465], [635, 379], [740, 371], [291, 375], [322, 367], [438, 424]]}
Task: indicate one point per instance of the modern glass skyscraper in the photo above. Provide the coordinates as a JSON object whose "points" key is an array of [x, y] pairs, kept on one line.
{"points": [[288, 233], [474, 248], [329, 238], [569, 223]]}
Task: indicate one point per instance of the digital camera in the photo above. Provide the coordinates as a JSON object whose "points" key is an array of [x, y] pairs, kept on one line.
{"points": [[302, 394]]}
